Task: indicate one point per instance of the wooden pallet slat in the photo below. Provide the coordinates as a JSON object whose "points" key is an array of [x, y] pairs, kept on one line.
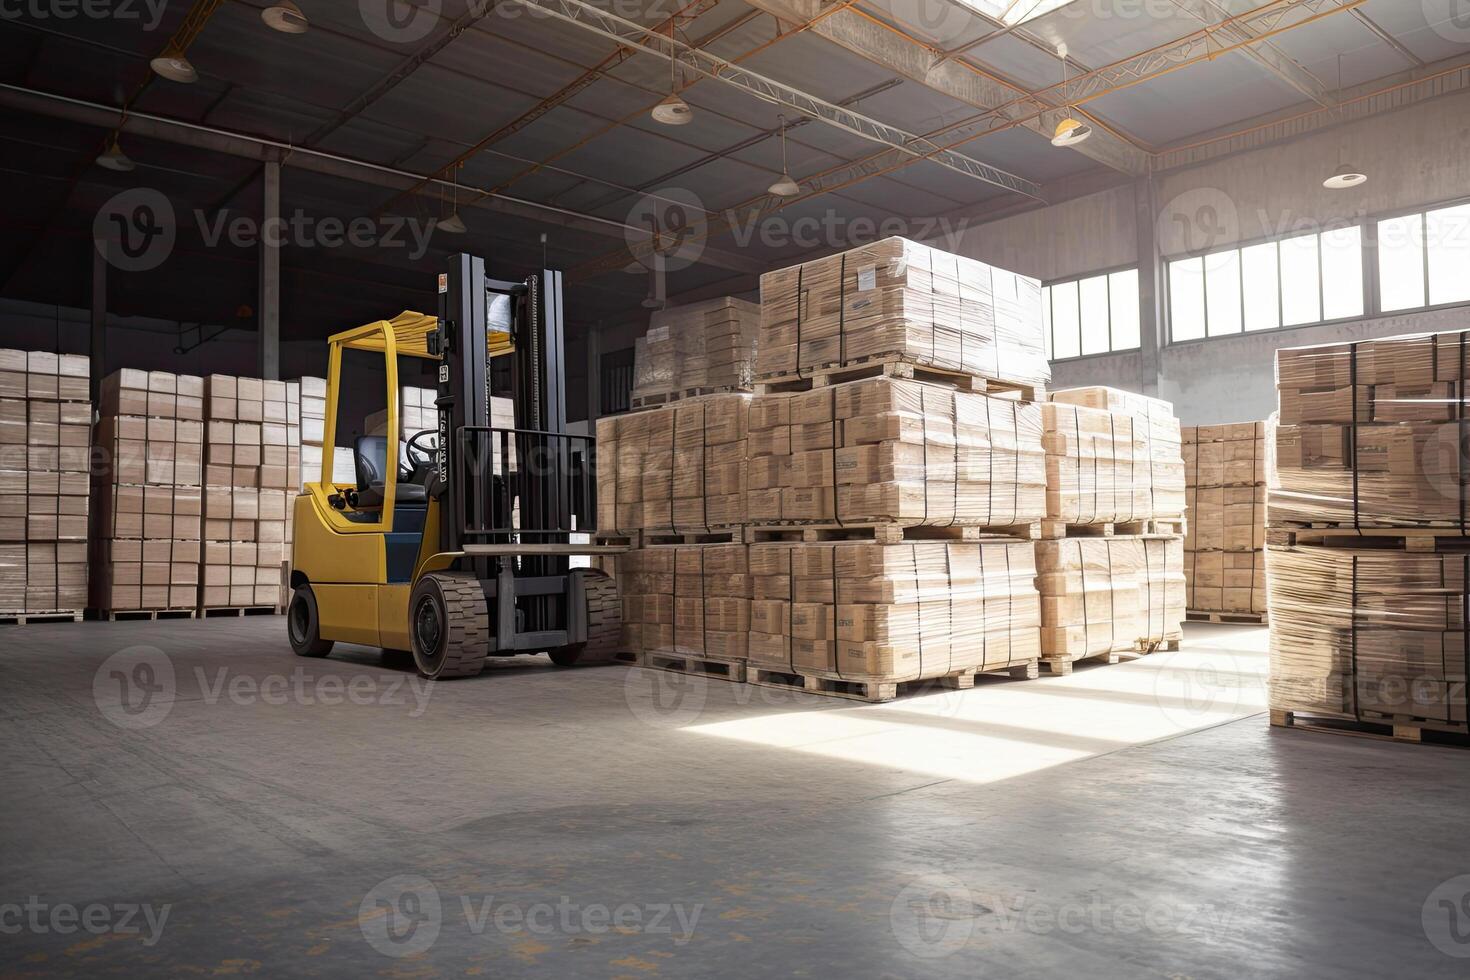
{"points": [[894, 366], [877, 691], [883, 533], [123, 615], [1227, 617], [1152, 527], [21, 618], [729, 670], [209, 612], [1380, 727]]}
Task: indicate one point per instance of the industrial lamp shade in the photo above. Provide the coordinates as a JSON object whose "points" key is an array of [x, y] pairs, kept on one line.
{"points": [[672, 111], [113, 158], [174, 66], [785, 187], [285, 17], [1070, 132], [453, 224], [1344, 177]]}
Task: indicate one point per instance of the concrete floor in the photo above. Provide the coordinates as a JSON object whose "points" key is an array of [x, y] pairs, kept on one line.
{"points": [[189, 797]]}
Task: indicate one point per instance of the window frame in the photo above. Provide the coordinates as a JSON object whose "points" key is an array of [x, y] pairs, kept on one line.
{"points": [[1107, 275]]}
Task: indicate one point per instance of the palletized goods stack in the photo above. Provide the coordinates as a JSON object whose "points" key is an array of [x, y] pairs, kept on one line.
{"points": [[696, 349], [1225, 541], [888, 477], [1112, 558], [1367, 527], [45, 455], [147, 494], [312, 410], [252, 466]]}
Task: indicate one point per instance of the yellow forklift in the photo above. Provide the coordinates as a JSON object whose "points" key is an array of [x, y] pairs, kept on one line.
{"points": [[459, 544]]}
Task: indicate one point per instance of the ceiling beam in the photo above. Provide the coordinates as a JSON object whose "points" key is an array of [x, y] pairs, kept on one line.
{"points": [[897, 52], [1266, 54], [629, 34]]}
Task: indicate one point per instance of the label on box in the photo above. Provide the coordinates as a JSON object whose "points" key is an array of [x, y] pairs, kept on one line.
{"points": [[867, 278]]}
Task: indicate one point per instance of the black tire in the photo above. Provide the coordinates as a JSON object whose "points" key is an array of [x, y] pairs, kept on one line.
{"points": [[303, 626], [604, 623], [449, 625]]}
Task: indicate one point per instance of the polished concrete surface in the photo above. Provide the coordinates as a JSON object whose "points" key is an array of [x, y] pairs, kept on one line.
{"points": [[188, 798]]}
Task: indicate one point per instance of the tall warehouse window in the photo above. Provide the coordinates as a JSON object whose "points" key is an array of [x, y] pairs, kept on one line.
{"points": [[1092, 315], [1424, 259]]}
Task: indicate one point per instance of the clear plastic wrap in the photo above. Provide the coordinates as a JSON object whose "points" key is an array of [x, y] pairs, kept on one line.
{"points": [[871, 612], [686, 601], [697, 348], [1224, 542], [1371, 434], [1369, 633], [897, 297], [1111, 456], [1106, 595]]}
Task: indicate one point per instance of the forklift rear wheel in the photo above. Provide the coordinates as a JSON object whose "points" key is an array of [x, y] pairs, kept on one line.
{"points": [[449, 625], [604, 623], [302, 626]]}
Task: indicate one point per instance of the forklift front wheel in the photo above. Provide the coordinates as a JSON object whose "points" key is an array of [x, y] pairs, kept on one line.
{"points": [[449, 625], [303, 627]]}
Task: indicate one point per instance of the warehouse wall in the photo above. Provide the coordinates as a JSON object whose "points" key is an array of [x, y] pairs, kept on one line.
{"points": [[1270, 192]]}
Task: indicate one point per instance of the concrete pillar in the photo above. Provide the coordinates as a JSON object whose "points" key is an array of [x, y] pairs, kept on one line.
{"points": [[1151, 320], [268, 306], [97, 344]]}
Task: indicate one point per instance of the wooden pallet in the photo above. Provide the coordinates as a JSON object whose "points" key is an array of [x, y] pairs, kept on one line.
{"points": [[886, 533], [1062, 666], [632, 540], [893, 366], [717, 535], [1227, 618], [1383, 728], [48, 616], [834, 685], [209, 612], [638, 402], [1386, 538], [1153, 527], [120, 615], [729, 670]]}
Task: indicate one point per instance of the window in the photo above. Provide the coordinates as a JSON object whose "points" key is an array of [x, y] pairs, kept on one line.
{"points": [[1424, 259], [1013, 12], [1298, 280], [1095, 315]]}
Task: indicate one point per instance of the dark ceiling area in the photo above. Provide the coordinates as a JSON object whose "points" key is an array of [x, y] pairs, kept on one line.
{"points": [[530, 120]]}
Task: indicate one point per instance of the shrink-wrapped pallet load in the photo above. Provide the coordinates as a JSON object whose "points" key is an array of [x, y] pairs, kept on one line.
{"points": [[1102, 596], [882, 614], [1111, 457], [898, 300], [689, 601], [698, 348], [147, 493], [45, 446], [895, 451], [676, 469], [1369, 633], [1370, 434], [1225, 539]]}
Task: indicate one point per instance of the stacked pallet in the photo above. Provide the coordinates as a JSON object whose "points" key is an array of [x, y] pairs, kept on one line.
{"points": [[1367, 513], [147, 494], [1112, 558], [696, 349], [45, 449], [251, 465], [688, 605], [896, 300], [312, 411], [1225, 541], [860, 618]]}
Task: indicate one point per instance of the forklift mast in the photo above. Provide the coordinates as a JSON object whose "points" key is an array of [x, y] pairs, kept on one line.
{"points": [[511, 497]]}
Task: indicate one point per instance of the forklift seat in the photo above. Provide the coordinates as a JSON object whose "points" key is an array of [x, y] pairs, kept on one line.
{"points": [[370, 458]]}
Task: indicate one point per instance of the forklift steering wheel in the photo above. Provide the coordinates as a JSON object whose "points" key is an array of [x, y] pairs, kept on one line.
{"points": [[420, 453]]}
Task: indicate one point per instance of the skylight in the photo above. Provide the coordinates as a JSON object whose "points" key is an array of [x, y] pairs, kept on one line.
{"points": [[1013, 12]]}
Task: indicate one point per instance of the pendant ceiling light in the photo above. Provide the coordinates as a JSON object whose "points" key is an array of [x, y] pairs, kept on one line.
{"points": [[1069, 131], [174, 66], [673, 111], [1345, 176], [113, 158], [285, 17], [785, 187], [454, 224]]}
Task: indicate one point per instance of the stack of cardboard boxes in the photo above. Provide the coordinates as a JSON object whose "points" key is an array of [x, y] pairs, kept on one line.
{"points": [[45, 454], [698, 348], [1112, 564], [1225, 541], [1367, 513], [147, 492]]}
